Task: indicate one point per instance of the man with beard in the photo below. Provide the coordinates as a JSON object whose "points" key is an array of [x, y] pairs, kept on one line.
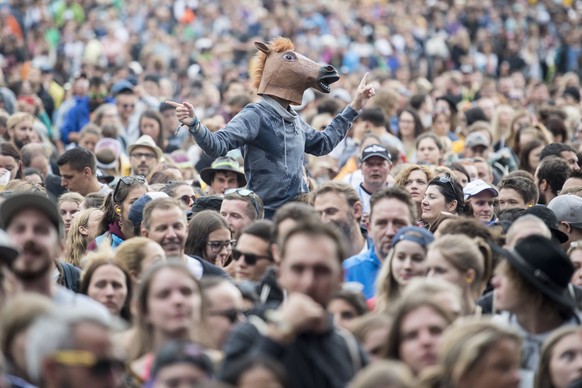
{"points": [[165, 222], [376, 165], [339, 204], [20, 129], [33, 223], [80, 113], [144, 156], [391, 209]]}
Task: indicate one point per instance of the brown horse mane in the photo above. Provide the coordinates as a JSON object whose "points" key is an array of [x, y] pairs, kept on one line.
{"points": [[257, 65]]}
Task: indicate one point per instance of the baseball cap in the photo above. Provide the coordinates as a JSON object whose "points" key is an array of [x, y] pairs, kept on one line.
{"points": [[375, 150], [421, 236], [549, 217], [568, 208], [477, 186], [32, 200], [136, 209], [121, 86], [476, 139]]}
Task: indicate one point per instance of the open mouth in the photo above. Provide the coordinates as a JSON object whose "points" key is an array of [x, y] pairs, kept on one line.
{"points": [[325, 80]]}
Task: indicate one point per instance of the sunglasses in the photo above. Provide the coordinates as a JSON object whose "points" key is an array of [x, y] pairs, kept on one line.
{"points": [[246, 193], [232, 315], [127, 181], [250, 258], [188, 199], [98, 367], [217, 245], [447, 179]]}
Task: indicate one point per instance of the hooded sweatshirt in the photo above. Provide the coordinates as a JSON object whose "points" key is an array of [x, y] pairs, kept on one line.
{"points": [[273, 142]]}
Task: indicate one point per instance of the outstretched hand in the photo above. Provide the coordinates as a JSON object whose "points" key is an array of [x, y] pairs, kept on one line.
{"points": [[184, 112], [363, 94]]}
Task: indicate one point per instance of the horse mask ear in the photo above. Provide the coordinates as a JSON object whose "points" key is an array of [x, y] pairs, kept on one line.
{"points": [[263, 47]]}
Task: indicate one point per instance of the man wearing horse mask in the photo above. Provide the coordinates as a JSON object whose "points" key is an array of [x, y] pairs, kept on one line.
{"points": [[272, 136]]}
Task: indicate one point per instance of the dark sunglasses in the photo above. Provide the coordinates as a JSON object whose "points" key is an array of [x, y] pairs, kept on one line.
{"points": [[246, 193], [232, 315], [250, 258], [127, 181], [446, 179], [188, 199]]}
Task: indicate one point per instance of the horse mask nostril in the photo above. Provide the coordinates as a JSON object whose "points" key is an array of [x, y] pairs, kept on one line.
{"points": [[330, 69]]}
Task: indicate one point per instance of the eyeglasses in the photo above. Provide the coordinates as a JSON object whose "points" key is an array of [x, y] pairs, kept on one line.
{"points": [[217, 245], [97, 366], [246, 193], [447, 179], [232, 315], [139, 155], [127, 181], [187, 199], [250, 258]]}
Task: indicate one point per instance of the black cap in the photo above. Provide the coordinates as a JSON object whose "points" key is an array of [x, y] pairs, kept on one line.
{"points": [[549, 217], [573, 92], [25, 201], [375, 150]]}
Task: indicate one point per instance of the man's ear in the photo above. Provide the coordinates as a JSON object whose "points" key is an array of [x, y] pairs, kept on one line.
{"points": [[543, 186], [144, 231], [87, 171], [275, 254]]}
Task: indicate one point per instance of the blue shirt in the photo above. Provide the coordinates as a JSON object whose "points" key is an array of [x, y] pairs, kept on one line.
{"points": [[363, 268]]}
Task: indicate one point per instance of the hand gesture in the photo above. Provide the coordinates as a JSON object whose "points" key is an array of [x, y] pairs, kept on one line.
{"points": [[363, 94], [184, 112]]}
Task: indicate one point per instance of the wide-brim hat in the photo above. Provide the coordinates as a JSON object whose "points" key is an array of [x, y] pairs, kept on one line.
{"points": [[225, 163], [545, 266], [146, 141]]}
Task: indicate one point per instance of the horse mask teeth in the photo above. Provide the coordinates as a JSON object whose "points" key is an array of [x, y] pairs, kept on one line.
{"points": [[277, 70]]}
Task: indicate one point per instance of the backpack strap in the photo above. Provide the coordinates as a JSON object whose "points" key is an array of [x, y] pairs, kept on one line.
{"points": [[71, 275]]}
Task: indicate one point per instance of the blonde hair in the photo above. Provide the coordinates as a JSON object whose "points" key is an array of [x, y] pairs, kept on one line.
{"points": [[76, 242], [17, 118], [497, 131], [544, 374], [71, 197], [131, 254], [426, 288], [463, 346]]}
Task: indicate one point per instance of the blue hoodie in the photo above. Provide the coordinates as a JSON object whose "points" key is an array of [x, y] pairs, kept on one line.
{"points": [[273, 142]]}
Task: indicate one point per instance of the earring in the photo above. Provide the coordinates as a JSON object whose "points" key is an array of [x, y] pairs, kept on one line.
{"points": [[468, 279], [118, 210]]}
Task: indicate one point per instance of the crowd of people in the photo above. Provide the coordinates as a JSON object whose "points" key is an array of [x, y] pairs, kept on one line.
{"points": [[408, 214]]}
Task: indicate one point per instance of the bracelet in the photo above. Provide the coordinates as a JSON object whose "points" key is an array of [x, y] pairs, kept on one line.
{"points": [[195, 126]]}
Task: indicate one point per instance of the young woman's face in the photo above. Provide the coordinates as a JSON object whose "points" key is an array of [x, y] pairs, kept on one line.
{"points": [[343, 312], [218, 255], [174, 302], [566, 360], [10, 164], [427, 151], [482, 204], [533, 158], [67, 210], [420, 337], [439, 267], [433, 204], [442, 124], [406, 124], [108, 287], [408, 262], [498, 367], [416, 185], [150, 127]]}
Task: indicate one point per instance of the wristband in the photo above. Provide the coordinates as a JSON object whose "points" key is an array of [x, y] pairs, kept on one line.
{"points": [[195, 126]]}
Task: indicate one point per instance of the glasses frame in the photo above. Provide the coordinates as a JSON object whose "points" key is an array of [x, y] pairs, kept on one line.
{"points": [[447, 179], [228, 244], [250, 258], [128, 181]]}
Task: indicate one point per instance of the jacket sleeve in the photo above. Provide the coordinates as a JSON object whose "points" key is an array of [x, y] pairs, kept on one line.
{"points": [[320, 143], [243, 128]]}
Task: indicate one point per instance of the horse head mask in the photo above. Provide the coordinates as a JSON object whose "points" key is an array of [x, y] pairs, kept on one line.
{"points": [[279, 71]]}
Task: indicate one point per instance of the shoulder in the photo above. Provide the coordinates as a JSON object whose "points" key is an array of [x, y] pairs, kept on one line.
{"points": [[356, 260]]}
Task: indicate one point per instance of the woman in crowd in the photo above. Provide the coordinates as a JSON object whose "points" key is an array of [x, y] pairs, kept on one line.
{"points": [[169, 306], [371, 331], [429, 149], [182, 191], [409, 128], [416, 332], [457, 259], [575, 253], [69, 204], [414, 178], [476, 354], [83, 230], [107, 282], [560, 359], [501, 125], [479, 200], [443, 196], [406, 260], [138, 254], [115, 224], [345, 306], [210, 238], [534, 293], [10, 162], [441, 124], [529, 157], [150, 123]]}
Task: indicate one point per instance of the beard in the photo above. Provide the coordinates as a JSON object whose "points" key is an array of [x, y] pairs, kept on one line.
{"points": [[345, 227], [31, 273]]}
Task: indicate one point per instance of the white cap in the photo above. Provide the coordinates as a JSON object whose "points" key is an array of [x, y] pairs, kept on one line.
{"points": [[478, 185]]}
